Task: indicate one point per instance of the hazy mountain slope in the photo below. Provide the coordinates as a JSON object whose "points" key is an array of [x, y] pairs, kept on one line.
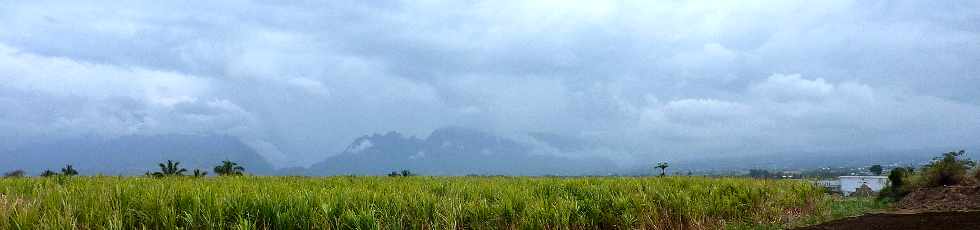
{"points": [[451, 151], [130, 155]]}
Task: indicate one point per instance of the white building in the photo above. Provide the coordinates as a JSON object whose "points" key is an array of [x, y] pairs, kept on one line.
{"points": [[832, 186], [849, 184]]}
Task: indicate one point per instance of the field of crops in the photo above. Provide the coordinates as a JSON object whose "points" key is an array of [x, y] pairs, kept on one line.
{"points": [[404, 203]]}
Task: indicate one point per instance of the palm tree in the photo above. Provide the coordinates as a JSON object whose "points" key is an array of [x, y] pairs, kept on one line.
{"points": [[663, 168], [200, 173], [171, 168], [68, 170], [229, 168]]}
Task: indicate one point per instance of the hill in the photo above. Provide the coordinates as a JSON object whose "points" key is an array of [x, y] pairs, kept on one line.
{"points": [[452, 151], [133, 155]]}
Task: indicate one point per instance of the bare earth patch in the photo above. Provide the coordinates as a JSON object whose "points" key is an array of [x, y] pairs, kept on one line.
{"points": [[951, 198], [926, 220], [946, 208]]}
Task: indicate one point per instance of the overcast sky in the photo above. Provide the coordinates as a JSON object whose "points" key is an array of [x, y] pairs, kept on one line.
{"points": [[647, 79]]}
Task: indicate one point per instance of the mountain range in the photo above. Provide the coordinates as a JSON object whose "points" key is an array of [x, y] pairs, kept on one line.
{"points": [[452, 151], [133, 155], [446, 151]]}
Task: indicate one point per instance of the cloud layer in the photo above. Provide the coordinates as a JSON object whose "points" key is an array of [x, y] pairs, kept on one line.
{"points": [[649, 80]]}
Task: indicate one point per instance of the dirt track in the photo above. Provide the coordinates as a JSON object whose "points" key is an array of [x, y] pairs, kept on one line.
{"points": [[929, 220]]}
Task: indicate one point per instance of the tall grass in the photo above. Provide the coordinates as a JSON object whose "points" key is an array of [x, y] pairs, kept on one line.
{"points": [[403, 203]]}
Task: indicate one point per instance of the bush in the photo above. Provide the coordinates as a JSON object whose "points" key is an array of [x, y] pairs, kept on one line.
{"points": [[48, 173], [976, 176], [14, 174], [947, 170], [899, 184]]}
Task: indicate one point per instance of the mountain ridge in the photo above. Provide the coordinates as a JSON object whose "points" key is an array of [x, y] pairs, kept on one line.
{"points": [[451, 151], [134, 155]]}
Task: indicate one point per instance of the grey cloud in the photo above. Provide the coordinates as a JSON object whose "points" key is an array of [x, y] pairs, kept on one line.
{"points": [[300, 80]]}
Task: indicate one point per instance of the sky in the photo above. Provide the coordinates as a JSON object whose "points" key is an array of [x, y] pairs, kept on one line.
{"points": [[646, 80]]}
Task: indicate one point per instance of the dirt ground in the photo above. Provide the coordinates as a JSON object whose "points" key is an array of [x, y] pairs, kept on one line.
{"points": [[928, 220], [951, 198], [946, 208]]}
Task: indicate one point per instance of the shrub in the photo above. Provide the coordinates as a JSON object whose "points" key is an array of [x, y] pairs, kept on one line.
{"points": [[15, 173], [898, 187], [949, 169], [976, 175], [48, 173]]}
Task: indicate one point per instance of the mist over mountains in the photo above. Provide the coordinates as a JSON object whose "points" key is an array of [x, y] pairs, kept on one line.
{"points": [[446, 151], [453, 151], [133, 155]]}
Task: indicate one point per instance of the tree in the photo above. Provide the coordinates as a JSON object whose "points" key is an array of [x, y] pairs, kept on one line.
{"points": [[229, 168], [897, 176], [394, 174], [171, 168], [663, 168], [48, 173], [759, 173], [406, 173], [948, 169], [68, 170], [875, 169], [200, 173], [898, 186], [15, 173]]}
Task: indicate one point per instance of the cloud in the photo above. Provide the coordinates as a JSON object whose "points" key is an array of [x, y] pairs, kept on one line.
{"points": [[789, 113], [51, 97], [651, 79]]}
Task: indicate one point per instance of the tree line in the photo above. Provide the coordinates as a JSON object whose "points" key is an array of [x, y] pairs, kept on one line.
{"points": [[167, 169]]}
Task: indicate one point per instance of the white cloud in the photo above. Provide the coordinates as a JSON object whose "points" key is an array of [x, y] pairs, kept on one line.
{"points": [[792, 87], [51, 96]]}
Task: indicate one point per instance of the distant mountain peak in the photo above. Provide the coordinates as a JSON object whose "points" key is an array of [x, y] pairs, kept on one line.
{"points": [[451, 150]]}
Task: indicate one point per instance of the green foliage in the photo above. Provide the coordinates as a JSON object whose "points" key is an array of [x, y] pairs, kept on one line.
{"points": [[406, 203], [200, 173], [14, 174], [949, 169], [898, 184], [875, 169], [68, 170], [229, 168], [663, 168], [976, 174], [848, 207], [403, 173], [48, 173], [171, 168]]}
